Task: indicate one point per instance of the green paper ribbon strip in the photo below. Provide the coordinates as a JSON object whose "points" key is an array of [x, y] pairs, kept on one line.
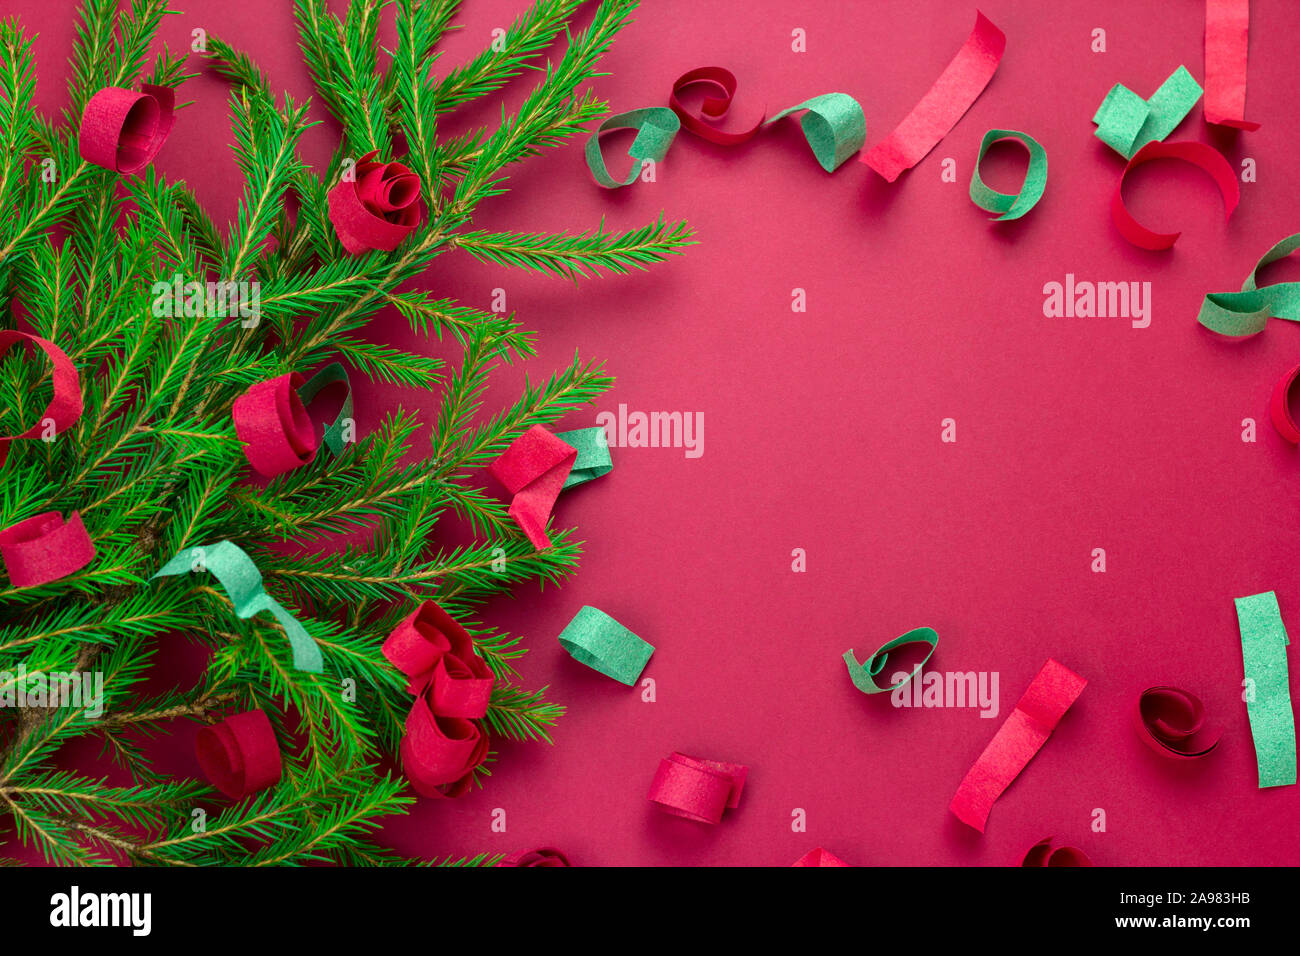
{"points": [[1272, 724], [864, 674], [327, 376], [1247, 312], [593, 459], [656, 128], [1126, 122], [597, 640], [834, 126], [1031, 190], [239, 576]]}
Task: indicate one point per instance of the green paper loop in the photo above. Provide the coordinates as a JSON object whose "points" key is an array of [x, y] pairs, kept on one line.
{"points": [[864, 674], [1247, 312], [656, 128], [1272, 724], [593, 459], [597, 640], [1031, 190], [1126, 122], [327, 376], [834, 126], [238, 575]]}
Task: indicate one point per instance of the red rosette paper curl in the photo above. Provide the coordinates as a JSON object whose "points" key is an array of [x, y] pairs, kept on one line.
{"points": [[240, 755], [542, 856], [378, 208]]}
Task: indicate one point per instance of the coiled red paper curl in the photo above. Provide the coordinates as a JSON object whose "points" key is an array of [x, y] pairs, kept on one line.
{"points": [[65, 405], [1045, 853], [378, 209], [45, 548], [699, 790], [123, 130], [542, 856], [240, 755], [1171, 721]]}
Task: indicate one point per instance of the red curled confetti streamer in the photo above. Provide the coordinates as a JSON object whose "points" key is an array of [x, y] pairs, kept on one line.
{"points": [[123, 130], [1044, 703], [440, 752], [534, 469], [64, 408], [697, 789], [819, 857], [1279, 407], [240, 755], [1198, 154], [437, 654], [1171, 721], [1043, 853], [953, 93], [542, 856], [377, 209], [272, 422], [45, 548], [1227, 40], [713, 109]]}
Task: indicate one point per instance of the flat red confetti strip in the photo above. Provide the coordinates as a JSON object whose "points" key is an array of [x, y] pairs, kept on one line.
{"points": [[45, 548], [1171, 721], [240, 755], [123, 130], [1045, 853], [1046, 700], [533, 469], [437, 655], [439, 754], [542, 856], [1279, 407], [713, 109], [65, 406], [1198, 154], [378, 208], [953, 93], [819, 857], [1227, 40], [697, 789]]}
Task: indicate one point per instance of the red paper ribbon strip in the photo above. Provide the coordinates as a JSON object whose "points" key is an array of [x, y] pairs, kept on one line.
{"points": [[45, 548], [122, 130], [272, 422], [953, 93], [437, 654], [697, 789], [1279, 407], [378, 209], [1227, 39], [1044, 703], [240, 755], [1198, 154], [65, 406], [439, 754], [1043, 853], [542, 856], [713, 109], [533, 469], [1171, 721], [819, 857]]}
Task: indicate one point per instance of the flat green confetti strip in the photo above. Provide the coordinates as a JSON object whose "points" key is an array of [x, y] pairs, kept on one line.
{"points": [[656, 128], [239, 576], [1031, 190], [834, 126], [864, 675], [597, 640], [593, 459], [1126, 122], [1247, 312], [326, 377], [1272, 724]]}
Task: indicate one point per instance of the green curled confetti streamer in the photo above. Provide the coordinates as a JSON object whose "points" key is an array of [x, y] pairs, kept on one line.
{"points": [[834, 126], [1247, 312], [1031, 190], [238, 575], [1126, 122], [330, 375], [864, 674], [593, 459], [1272, 724], [656, 128], [597, 640]]}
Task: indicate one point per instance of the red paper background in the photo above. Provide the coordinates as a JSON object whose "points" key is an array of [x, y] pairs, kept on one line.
{"points": [[822, 432]]}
